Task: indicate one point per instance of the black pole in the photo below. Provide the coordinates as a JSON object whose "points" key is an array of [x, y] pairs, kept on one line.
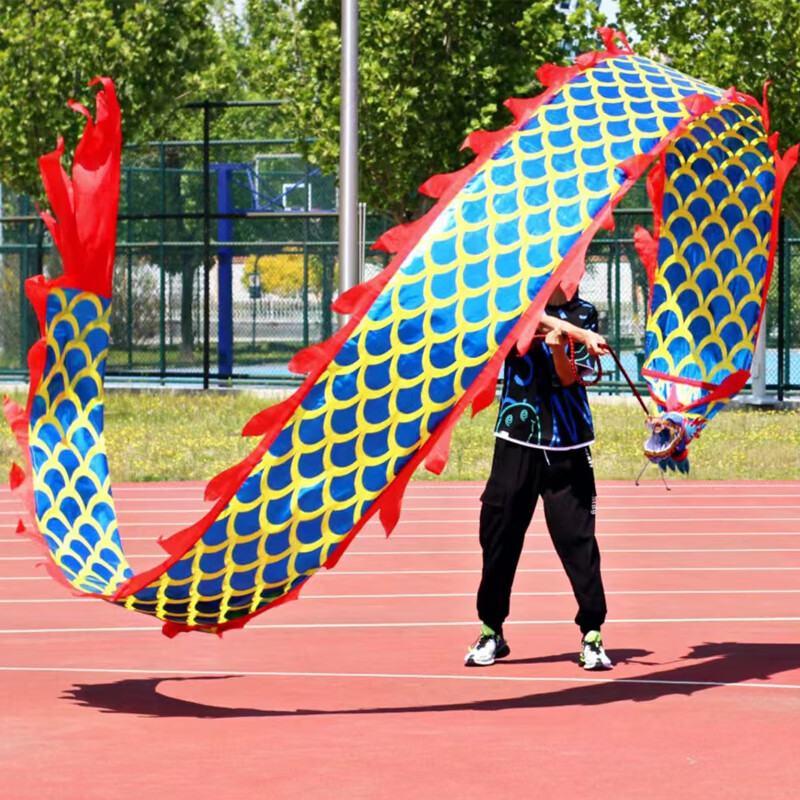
{"points": [[206, 242], [781, 304]]}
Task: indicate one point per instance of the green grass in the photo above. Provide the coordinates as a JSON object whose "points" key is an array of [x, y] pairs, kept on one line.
{"points": [[193, 436]]}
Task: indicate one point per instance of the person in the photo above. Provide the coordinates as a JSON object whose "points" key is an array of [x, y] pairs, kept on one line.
{"points": [[542, 439]]}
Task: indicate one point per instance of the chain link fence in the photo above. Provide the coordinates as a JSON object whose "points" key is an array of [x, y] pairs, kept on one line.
{"points": [[223, 273]]}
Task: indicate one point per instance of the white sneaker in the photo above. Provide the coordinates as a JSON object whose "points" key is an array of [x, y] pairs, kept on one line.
{"points": [[486, 650], [593, 655]]}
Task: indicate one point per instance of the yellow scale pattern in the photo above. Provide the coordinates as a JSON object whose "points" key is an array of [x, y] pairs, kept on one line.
{"points": [[234, 602], [686, 297], [423, 342], [74, 504]]}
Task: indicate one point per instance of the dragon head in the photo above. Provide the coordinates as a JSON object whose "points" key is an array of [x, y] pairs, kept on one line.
{"points": [[669, 436]]}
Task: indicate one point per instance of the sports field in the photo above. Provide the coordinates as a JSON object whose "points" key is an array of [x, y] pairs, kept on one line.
{"points": [[358, 690]]}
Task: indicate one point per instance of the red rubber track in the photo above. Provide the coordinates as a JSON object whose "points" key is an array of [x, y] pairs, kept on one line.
{"points": [[358, 690]]}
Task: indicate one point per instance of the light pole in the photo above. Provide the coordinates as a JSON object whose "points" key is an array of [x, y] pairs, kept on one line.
{"points": [[254, 284], [348, 151]]}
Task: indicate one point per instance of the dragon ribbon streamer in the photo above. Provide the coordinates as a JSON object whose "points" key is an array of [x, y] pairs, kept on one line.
{"points": [[426, 338], [716, 193]]}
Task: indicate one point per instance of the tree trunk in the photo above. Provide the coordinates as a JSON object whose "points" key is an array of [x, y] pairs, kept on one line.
{"points": [[187, 297], [180, 260]]}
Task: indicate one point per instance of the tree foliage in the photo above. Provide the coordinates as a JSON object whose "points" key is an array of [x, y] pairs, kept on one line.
{"points": [[158, 51], [740, 43], [430, 72], [284, 273]]}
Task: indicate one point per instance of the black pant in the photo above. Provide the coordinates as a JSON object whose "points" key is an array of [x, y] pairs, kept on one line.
{"points": [[565, 481]]}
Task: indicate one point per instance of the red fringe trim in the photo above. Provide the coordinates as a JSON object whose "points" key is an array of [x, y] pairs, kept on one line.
{"points": [[83, 222], [480, 394], [647, 244]]}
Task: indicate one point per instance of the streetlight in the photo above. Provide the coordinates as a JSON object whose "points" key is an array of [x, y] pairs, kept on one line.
{"points": [[254, 284]]}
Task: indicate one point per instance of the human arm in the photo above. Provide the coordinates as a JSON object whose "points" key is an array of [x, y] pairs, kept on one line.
{"points": [[556, 340], [594, 343]]}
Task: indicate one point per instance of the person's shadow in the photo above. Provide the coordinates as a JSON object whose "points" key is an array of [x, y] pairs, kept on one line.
{"points": [[705, 667]]}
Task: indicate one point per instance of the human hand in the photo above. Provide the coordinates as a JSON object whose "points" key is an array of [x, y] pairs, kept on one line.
{"points": [[555, 338], [594, 343]]}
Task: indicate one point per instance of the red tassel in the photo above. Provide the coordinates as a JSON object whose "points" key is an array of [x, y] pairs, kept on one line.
{"points": [[523, 107], [486, 393], [438, 185], [786, 163], [551, 75], [481, 142], [526, 336], [16, 418], [308, 359], [609, 37], [270, 418], [635, 166], [349, 302], [36, 290], [16, 476], [655, 191], [390, 504], [172, 629], [37, 357], [437, 458], [733, 384], [606, 220], [84, 219], [574, 266], [765, 106], [217, 486], [21, 529], [647, 248], [395, 239], [588, 60], [389, 514], [698, 104]]}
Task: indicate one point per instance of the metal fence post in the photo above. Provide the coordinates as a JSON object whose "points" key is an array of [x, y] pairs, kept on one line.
{"points": [[23, 274], [781, 305], [162, 355], [129, 236], [225, 235], [617, 302], [306, 282], [206, 242], [788, 262]]}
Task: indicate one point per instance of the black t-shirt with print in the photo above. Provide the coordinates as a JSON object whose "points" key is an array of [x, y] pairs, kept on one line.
{"points": [[535, 409]]}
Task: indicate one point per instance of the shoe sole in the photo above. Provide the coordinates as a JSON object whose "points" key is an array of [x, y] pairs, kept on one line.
{"points": [[502, 653], [598, 667]]}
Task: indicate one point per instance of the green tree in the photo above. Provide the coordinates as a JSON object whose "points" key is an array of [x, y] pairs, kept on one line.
{"points": [[431, 71], [156, 50], [740, 43]]}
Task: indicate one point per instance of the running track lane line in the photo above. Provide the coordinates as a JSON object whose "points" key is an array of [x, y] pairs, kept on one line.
{"points": [[472, 522], [397, 553], [20, 539], [382, 625], [406, 595], [334, 572], [235, 673], [407, 508]]}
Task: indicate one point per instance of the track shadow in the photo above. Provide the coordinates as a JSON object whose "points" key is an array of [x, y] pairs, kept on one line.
{"points": [[617, 656], [707, 666], [140, 696]]}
